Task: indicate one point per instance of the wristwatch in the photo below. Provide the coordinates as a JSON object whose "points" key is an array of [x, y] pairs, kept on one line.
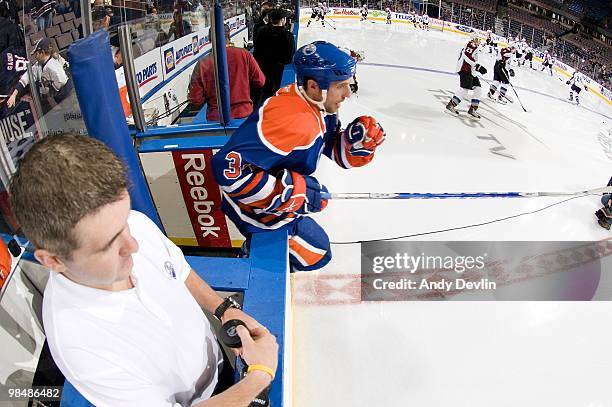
{"points": [[229, 302]]}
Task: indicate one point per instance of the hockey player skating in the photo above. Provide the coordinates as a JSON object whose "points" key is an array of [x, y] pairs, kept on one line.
{"points": [[316, 15], [265, 169], [576, 83], [528, 57], [502, 74], [548, 62], [357, 56], [418, 21], [491, 45], [519, 52], [467, 65], [604, 215], [425, 20], [389, 15], [364, 12]]}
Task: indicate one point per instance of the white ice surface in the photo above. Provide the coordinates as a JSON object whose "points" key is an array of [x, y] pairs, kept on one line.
{"points": [[439, 354]]}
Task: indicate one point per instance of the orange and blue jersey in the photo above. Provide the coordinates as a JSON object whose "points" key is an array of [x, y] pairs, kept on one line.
{"points": [[261, 168], [263, 172]]}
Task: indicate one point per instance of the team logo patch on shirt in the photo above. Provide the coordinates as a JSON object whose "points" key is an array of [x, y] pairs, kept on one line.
{"points": [[169, 269]]}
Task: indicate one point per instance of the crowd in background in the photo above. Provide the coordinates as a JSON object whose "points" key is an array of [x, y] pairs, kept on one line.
{"points": [[545, 25], [542, 24]]}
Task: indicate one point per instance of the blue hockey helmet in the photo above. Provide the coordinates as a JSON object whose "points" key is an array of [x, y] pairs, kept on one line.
{"points": [[323, 62]]}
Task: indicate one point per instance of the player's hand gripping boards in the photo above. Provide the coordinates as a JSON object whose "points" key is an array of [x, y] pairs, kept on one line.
{"points": [[364, 135]]}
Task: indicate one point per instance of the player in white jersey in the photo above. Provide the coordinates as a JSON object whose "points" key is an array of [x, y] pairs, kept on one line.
{"points": [[548, 62], [317, 14], [324, 8], [490, 43], [418, 21], [364, 12], [425, 22], [528, 56], [518, 53], [576, 83], [389, 15]]}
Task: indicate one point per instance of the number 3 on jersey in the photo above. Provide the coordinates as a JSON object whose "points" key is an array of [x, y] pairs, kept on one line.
{"points": [[234, 165]]}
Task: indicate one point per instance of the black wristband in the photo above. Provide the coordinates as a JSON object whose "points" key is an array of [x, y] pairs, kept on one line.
{"points": [[229, 302]]}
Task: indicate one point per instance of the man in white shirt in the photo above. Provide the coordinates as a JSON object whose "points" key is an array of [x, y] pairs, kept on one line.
{"points": [[122, 308]]}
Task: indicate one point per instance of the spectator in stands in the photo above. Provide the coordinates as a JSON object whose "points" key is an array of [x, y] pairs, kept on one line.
{"points": [[274, 48], [262, 19], [11, 36], [50, 77], [100, 20], [244, 74], [122, 309], [11, 9], [42, 12], [63, 7], [180, 23], [75, 5], [114, 20]]}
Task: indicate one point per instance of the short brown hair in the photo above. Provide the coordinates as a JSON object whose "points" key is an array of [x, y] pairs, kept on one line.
{"points": [[62, 179]]}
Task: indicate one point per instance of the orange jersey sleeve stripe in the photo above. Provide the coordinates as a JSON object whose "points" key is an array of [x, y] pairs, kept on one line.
{"points": [[249, 187]]}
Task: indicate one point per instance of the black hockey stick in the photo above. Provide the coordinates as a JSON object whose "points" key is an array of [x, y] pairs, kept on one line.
{"points": [[331, 25], [489, 83], [517, 97], [512, 86], [328, 25]]}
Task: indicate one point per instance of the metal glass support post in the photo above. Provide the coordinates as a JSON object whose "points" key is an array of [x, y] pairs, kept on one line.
{"points": [[129, 70], [86, 18], [42, 123]]}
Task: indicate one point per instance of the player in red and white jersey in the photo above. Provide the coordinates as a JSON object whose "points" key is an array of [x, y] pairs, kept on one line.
{"points": [[467, 66], [502, 74]]}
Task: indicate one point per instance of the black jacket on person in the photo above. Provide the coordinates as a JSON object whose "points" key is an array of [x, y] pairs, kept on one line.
{"points": [[11, 37], [262, 21], [274, 49]]}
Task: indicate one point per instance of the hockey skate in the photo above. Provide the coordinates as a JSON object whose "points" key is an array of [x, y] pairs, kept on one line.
{"points": [[472, 112], [450, 108], [501, 100], [604, 217], [491, 96]]}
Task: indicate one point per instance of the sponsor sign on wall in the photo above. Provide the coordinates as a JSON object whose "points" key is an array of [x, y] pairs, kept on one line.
{"points": [[158, 65]]}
